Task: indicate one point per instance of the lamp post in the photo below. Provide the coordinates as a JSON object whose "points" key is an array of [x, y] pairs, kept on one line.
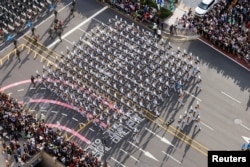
{"points": [[104, 152]]}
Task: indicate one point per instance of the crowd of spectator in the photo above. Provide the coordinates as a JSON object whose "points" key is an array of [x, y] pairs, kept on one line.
{"points": [[24, 135], [228, 26], [138, 10]]}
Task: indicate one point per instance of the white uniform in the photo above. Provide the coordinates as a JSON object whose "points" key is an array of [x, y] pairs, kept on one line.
{"points": [[197, 122]]}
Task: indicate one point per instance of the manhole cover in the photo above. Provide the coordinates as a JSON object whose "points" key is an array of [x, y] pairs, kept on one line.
{"points": [[238, 121]]}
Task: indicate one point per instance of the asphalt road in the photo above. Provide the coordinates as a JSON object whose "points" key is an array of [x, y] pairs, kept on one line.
{"points": [[224, 101]]}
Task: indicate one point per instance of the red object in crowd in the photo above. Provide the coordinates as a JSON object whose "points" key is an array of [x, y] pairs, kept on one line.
{"points": [[248, 24], [146, 16]]}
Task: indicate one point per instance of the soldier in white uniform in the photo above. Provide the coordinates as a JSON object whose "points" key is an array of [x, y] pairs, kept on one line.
{"points": [[197, 122]]}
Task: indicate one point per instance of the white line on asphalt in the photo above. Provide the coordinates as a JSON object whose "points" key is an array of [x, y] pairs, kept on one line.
{"points": [[163, 139], [82, 30], [43, 88], [54, 112], [171, 157], [209, 127], [79, 25], [117, 161], [130, 155], [64, 114], [91, 129], [68, 41], [223, 54], [32, 88], [231, 97], [244, 126], [75, 119], [146, 153], [19, 90], [32, 110], [193, 95], [43, 110]]}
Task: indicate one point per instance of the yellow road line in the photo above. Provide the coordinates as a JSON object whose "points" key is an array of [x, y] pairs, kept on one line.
{"points": [[88, 123], [42, 57], [40, 44], [7, 56], [185, 138], [185, 135]]}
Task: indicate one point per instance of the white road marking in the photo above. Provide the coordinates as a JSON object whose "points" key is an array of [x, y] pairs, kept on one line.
{"points": [[91, 129], [75, 119], [64, 114], [173, 158], [247, 139], [43, 88], [43, 110], [223, 54], [130, 155], [99, 21], [78, 26], [82, 30], [231, 97], [68, 41], [163, 139], [54, 112], [209, 127], [19, 90], [117, 161], [32, 110], [146, 153], [244, 126], [32, 88], [192, 95]]}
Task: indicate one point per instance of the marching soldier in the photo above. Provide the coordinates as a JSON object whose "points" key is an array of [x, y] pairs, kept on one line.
{"points": [[197, 122], [179, 125]]}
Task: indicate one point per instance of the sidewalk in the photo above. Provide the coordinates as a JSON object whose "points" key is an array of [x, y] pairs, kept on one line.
{"points": [[180, 9]]}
